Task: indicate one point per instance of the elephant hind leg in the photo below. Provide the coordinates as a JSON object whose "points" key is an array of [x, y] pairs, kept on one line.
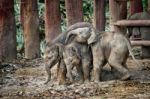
{"points": [[86, 70], [116, 62], [48, 66], [62, 72], [48, 71], [119, 67]]}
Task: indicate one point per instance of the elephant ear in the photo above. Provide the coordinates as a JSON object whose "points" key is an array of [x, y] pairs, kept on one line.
{"points": [[76, 52], [92, 38], [70, 36]]}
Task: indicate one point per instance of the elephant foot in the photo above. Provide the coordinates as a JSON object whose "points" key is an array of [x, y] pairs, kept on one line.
{"points": [[62, 81], [96, 81], [126, 77], [65, 82], [81, 81], [87, 81], [46, 81]]}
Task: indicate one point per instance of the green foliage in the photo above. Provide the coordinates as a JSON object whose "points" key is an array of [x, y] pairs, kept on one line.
{"points": [[19, 34], [88, 10], [145, 4], [63, 15]]}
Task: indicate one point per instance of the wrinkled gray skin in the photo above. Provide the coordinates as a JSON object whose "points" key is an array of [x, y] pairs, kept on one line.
{"points": [[79, 56], [107, 47], [53, 53]]}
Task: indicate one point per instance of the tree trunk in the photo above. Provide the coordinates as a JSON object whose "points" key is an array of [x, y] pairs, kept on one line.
{"points": [[74, 11], [136, 6], [7, 31], [52, 19], [30, 20], [123, 9], [114, 9], [99, 14]]}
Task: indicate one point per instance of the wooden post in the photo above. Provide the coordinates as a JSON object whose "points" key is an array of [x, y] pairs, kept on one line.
{"points": [[74, 11], [99, 14]]}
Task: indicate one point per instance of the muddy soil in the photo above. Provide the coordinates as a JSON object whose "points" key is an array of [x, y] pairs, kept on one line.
{"points": [[24, 79]]}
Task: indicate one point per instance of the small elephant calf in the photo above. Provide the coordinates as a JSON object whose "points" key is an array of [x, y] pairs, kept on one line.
{"points": [[107, 47], [79, 56], [72, 59], [52, 56]]}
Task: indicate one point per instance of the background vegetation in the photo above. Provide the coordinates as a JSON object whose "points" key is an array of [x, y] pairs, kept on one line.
{"points": [[87, 11]]}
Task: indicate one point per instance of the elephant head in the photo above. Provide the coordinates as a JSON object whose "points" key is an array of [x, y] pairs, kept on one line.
{"points": [[71, 55], [82, 35]]}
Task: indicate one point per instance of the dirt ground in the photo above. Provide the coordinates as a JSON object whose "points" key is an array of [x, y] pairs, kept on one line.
{"points": [[23, 79]]}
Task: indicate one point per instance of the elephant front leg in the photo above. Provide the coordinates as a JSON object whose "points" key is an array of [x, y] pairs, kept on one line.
{"points": [[98, 61], [69, 72], [86, 70], [97, 65], [80, 72], [62, 73], [48, 71]]}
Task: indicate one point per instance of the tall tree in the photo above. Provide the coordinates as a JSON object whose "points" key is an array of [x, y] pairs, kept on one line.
{"points": [[52, 19], [123, 9], [30, 22], [74, 11], [7, 30], [114, 8], [99, 14], [136, 6]]}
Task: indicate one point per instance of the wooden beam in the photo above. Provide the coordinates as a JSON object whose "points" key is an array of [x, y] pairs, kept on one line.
{"points": [[133, 23], [121, 0], [140, 43]]}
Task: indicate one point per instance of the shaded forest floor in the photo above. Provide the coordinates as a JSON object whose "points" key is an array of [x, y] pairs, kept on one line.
{"points": [[23, 79]]}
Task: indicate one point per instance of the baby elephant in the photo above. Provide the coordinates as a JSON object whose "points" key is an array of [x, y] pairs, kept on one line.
{"points": [[52, 56], [78, 55], [111, 47], [72, 59]]}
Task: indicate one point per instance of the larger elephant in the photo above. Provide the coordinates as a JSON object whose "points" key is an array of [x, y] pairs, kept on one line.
{"points": [[143, 31], [106, 47]]}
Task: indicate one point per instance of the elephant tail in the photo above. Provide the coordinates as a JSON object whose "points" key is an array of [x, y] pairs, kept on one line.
{"points": [[131, 53]]}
